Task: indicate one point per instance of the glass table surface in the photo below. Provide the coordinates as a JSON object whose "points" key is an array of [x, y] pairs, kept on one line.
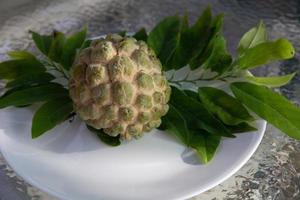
{"points": [[273, 171]]}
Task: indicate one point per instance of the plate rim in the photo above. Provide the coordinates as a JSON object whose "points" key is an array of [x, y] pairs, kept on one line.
{"points": [[197, 191]]}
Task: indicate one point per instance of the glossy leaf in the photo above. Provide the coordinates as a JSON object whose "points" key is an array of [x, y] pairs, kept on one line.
{"points": [[273, 81], [86, 44], [212, 143], [70, 47], [191, 40], [34, 94], [13, 69], [30, 79], [219, 59], [265, 53], [241, 128], [178, 57], [107, 139], [176, 125], [194, 109], [226, 107], [20, 55], [192, 94], [164, 37], [208, 42], [201, 26], [50, 114], [203, 143], [43, 42], [122, 33], [12, 90], [252, 38], [198, 144], [270, 106], [141, 35], [56, 48]]}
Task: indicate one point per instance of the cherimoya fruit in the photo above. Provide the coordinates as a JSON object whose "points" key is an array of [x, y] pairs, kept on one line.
{"points": [[117, 85]]}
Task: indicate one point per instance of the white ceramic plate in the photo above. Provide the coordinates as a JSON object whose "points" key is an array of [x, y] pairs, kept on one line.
{"points": [[70, 163]]}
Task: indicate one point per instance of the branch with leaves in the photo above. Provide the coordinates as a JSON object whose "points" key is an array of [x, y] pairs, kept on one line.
{"points": [[200, 117]]}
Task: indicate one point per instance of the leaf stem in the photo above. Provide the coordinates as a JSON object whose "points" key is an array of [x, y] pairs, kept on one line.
{"points": [[194, 81], [59, 69]]}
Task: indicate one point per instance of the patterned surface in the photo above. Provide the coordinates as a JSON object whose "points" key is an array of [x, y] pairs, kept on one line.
{"points": [[112, 87], [271, 174]]}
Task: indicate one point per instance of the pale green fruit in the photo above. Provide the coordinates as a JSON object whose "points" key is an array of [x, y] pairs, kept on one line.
{"points": [[117, 85]]}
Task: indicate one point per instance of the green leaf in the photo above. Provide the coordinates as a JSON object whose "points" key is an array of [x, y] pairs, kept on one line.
{"points": [[30, 79], [43, 42], [265, 53], [226, 107], [12, 90], [198, 143], [195, 110], [86, 44], [21, 55], [176, 125], [107, 139], [208, 42], [270, 106], [192, 94], [178, 45], [275, 81], [70, 46], [201, 26], [252, 38], [177, 58], [191, 40], [122, 33], [13, 69], [51, 114], [33, 94], [241, 128], [23, 106], [205, 144], [211, 142], [56, 48], [219, 60], [196, 38], [141, 35], [163, 38]]}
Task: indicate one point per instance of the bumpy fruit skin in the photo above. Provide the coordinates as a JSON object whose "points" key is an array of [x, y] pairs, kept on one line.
{"points": [[117, 85]]}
